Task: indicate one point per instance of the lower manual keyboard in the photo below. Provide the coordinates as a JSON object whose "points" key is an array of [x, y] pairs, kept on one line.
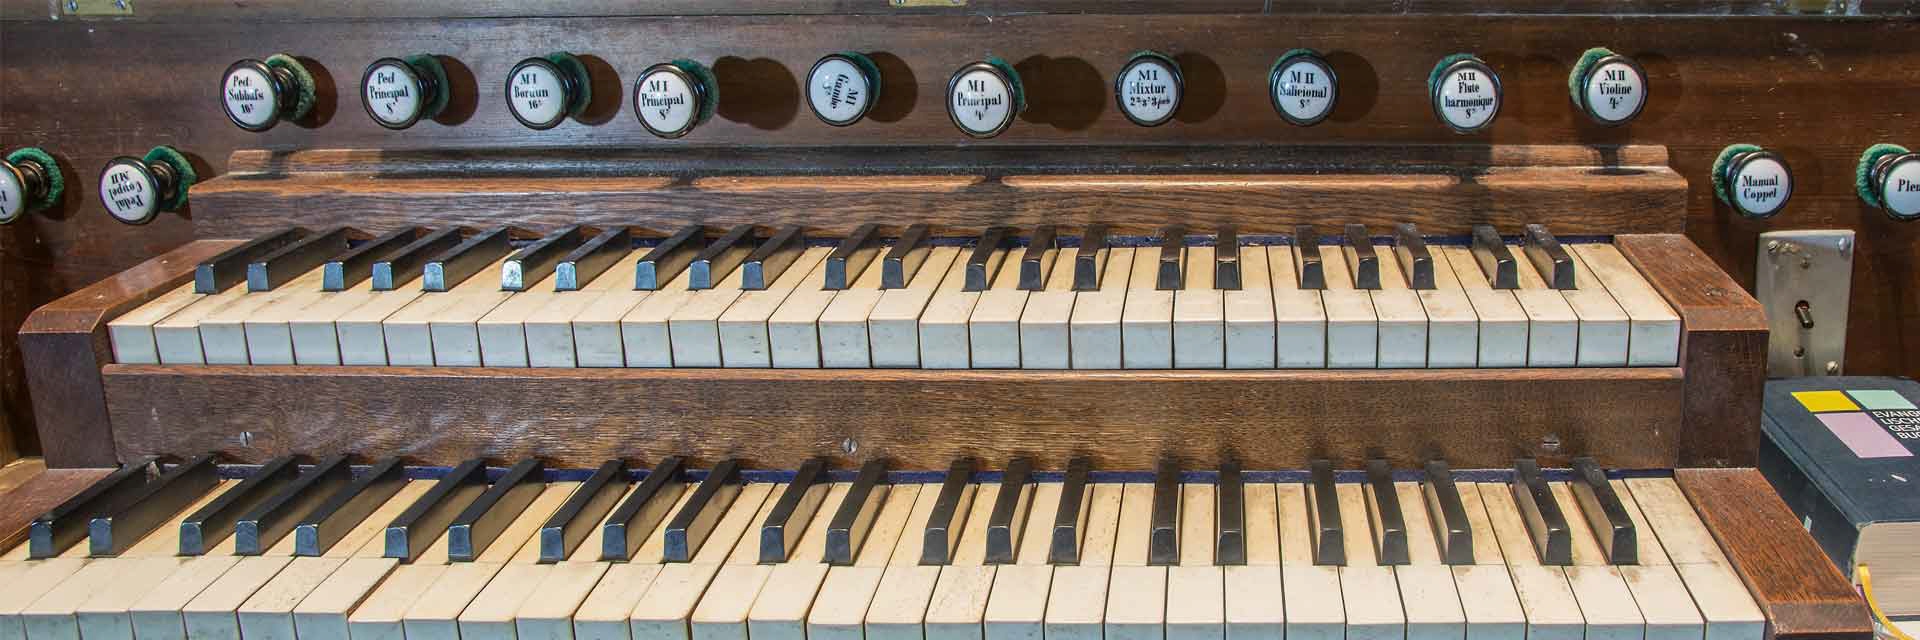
{"points": [[332, 552]]}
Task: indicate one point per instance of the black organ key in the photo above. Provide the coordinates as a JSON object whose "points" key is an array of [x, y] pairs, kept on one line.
{"points": [[852, 256], [54, 531], [1226, 260], [1545, 523], [481, 522], [984, 260], [1070, 522], [721, 257], [666, 260], [1229, 511], [795, 507], [766, 263], [230, 267], [1009, 516], [464, 260], [1163, 536], [949, 515], [642, 511], [1496, 262], [356, 265], [1549, 258], [427, 518], [1605, 514], [266, 523], [1034, 262], [268, 272], [1363, 264], [848, 529], [536, 261], [1415, 261], [1323, 517], [345, 509], [591, 259], [689, 529], [111, 533], [582, 511], [1173, 252], [1090, 259], [904, 258], [217, 519], [1451, 530], [1307, 264], [1383, 513], [408, 262]]}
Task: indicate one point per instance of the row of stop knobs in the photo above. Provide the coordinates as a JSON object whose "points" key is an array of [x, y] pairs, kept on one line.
{"points": [[1752, 181]]}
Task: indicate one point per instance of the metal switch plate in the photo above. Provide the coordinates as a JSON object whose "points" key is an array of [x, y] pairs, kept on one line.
{"points": [[1804, 281]]}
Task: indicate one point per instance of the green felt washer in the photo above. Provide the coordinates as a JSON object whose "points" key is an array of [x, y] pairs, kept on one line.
{"points": [[1576, 79], [582, 81], [1013, 82], [1719, 171], [866, 66], [49, 168], [430, 70], [709, 89], [1863, 173], [303, 84], [183, 173]]}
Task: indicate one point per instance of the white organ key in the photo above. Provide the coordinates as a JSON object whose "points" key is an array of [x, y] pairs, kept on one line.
{"points": [[1453, 330], [547, 611], [223, 335], [502, 330], [1487, 598], [745, 328], [415, 332], [490, 614], [1314, 609], [943, 323], [1299, 315], [993, 328], [323, 614], [132, 333], [780, 611], [1553, 329], [177, 337], [1353, 328], [603, 614], [1670, 532], [1196, 589], [1094, 334], [900, 604], [550, 338], [1045, 325], [841, 609], [1254, 608], [380, 615], [1017, 603], [1249, 313], [1077, 602], [597, 341], [1136, 593], [213, 613], [95, 599], [1380, 614], [1427, 589], [1603, 324], [671, 607], [1604, 599], [1657, 588], [271, 331], [456, 327], [959, 604], [1653, 328], [270, 612], [793, 331], [1146, 323], [156, 614], [352, 326], [1199, 315], [844, 343], [893, 328], [436, 615], [1403, 319], [644, 335], [693, 330], [34, 579], [1551, 610], [1502, 322]]}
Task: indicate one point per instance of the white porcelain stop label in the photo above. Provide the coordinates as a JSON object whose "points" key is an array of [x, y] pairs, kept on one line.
{"points": [[128, 192], [1149, 91], [1468, 97], [393, 94], [838, 92], [665, 101], [249, 96], [981, 102], [1303, 90], [537, 95], [1761, 186], [1615, 92], [1901, 191], [12, 194]]}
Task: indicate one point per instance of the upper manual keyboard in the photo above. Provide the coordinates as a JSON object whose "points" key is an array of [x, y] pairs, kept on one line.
{"points": [[1040, 298]]}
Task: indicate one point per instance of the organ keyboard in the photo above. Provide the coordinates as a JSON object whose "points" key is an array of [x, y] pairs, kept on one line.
{"points": [[771, 555]]}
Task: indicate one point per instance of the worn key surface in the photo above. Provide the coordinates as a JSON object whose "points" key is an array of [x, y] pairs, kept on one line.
{"points": [[1007, 522], [583, 512], [480, 524], [409, 534], [345, 510], [1323, 517], [854, 522], [691, 527], [1545, 522], [217, 519], [1384, 517], [942, 532], [793, 511], [852, 256], [1446, 515]]}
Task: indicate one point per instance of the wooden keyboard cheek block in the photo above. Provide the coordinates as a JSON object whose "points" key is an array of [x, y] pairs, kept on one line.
{"points": [[1799, 590]]}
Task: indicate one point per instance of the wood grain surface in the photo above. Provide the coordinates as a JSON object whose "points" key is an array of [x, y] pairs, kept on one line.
{"points": [[1798, 588], [45, 490]]}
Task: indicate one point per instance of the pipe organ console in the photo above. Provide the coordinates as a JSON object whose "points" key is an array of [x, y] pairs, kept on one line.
{"points": [[1208, 331]]}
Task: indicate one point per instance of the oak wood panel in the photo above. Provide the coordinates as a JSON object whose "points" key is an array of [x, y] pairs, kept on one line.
{"points": [[1798, 588], [918, 419], [46, 490], [1723, 348], [65, 344]]}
